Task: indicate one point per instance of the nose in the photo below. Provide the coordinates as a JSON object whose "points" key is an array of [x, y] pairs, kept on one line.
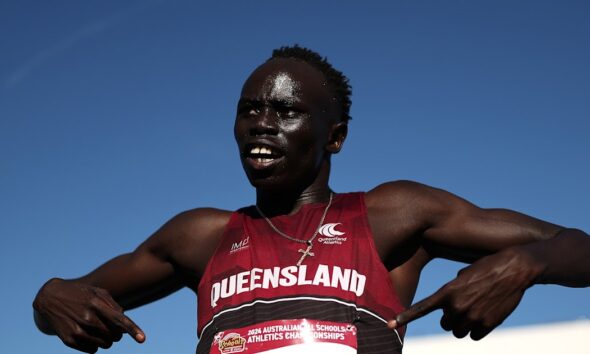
{"points": [[264, 123]]}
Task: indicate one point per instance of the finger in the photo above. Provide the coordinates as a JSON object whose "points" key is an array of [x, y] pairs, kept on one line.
{"points": [[451, 321], [108, 333], [127, 325], [447, 321], [92, 338], [106, 298], [461, 329], [116, 319], [421, 308], [82, 341], [81, 345], [100, 324], [116, 334], [84, 347], [480, 332], [458, 323]]}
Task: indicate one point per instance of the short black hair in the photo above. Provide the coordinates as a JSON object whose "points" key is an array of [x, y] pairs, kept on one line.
{"points": [[336, 79]]}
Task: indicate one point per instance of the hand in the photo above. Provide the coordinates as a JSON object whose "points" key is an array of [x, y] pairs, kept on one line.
{"points": [[82, 316], [480, 298]]}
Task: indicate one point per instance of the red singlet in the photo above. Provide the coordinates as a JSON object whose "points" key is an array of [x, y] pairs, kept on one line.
{"points": [[252, 278]]}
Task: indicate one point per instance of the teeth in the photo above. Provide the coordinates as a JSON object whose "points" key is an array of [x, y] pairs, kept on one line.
{"points": [[261, 150]]}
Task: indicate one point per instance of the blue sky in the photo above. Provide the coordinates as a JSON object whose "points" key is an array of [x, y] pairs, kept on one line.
{"points": [[116, 115]]}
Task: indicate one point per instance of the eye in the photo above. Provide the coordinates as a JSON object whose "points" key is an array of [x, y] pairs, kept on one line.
{"points": [[287, 113], [248, 110]]}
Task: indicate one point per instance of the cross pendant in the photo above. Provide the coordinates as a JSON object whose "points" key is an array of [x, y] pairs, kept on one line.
{"points": [[305, 253]]}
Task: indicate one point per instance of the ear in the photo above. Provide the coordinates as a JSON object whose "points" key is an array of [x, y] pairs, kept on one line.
{"points": [[338, 134]]}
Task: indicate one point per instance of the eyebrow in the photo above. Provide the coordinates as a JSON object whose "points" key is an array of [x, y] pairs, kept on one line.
{"points": [[243, 101], [272, 102]]}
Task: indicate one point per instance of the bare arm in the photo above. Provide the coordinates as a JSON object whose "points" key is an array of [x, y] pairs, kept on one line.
{"points": [[448, 226], [486, 292], [87, 313], [511, 251]]}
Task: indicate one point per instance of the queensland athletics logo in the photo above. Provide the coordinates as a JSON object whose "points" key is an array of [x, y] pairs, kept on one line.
{"points": [[331, 235]]}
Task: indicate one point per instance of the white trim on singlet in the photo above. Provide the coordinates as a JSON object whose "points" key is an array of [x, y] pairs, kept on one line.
{"points": [[298, 298]]}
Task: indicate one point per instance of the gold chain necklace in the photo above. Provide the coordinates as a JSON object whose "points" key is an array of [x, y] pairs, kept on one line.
{"points": [[307, 251]]}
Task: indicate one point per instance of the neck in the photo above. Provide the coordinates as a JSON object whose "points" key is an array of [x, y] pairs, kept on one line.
{"points": [[285, 204], [289, 201]]}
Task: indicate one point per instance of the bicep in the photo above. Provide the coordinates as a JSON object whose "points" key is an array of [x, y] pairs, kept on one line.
{"points": [[170, 259], [146, 274], [462, 231], [136, 278]]}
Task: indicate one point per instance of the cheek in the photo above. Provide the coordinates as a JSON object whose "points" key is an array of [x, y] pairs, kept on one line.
{"points": [[238, 129], [305, 147], [299, 135]]}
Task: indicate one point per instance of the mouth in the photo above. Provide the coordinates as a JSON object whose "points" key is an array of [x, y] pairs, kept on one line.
{"points": [[261, 156]]}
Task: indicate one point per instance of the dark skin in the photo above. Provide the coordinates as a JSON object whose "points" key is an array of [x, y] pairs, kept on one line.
{"points": [[286, 106]]}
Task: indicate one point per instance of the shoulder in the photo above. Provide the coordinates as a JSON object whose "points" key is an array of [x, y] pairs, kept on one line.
{"points": [[190, 238], [402, 194], [415, 202], [196, 224], [395, 211], [399, 212], [200, 221]]}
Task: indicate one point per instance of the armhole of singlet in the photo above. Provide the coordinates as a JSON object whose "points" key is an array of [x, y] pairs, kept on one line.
{"points": [[375, 254], [233, 219]]}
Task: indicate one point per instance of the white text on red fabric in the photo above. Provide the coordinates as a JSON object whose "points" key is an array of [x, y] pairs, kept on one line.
{"points": [[326, 276]]}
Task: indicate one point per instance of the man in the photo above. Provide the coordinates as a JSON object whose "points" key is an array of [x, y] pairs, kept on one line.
{"points": [[307, 268]]}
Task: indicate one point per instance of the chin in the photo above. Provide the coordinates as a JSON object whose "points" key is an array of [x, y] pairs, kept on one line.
{"points": [[267, 184], [273, 184], [264, 179]]}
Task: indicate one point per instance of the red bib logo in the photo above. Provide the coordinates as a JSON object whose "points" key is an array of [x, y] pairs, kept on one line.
{"points": [[231, 343]]}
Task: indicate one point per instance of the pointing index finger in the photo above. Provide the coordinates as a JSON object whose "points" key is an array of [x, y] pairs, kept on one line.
{"points": [[119, 319], [419, 309], [128, 326]]}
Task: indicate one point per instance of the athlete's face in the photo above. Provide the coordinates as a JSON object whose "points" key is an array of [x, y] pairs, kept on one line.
{"points": [[285, 124]]}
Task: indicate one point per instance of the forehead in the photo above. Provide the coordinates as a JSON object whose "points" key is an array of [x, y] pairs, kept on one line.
{"points": [[287, 79]]}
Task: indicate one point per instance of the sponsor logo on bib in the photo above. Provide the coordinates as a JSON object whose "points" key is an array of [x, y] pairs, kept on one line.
{"points": [[238, 246], [231, 343]]}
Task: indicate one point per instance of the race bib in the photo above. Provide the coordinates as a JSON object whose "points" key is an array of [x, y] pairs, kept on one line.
{"points": [[288, 336]]}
